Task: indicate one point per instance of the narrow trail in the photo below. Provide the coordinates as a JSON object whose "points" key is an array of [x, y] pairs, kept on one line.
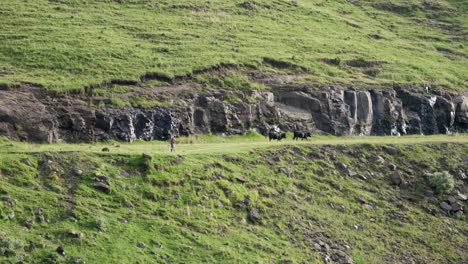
{"points": [[226, 146]]}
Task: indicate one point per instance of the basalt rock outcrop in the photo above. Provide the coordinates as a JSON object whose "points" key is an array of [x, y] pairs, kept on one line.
{"points": [[30, 113]]}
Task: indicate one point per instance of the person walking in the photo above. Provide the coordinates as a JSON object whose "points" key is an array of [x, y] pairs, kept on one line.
{"points": [[173, 141]]}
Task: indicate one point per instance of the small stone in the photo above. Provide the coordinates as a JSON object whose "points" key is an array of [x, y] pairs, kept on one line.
{"points": [[175, 195], [396, 178], [286, 171], [75, 234], [463, 176], [317, 247], [451, 200], [38, 211], [445, 206], [141, 245], [41, 219], [368, 207], [219, 204], [361, 200], [78, 172], [28, 162], [102, 187], [362, 177], [103, 178], [106, 149], [352, 172], [147, 156], [342, 166], [254, 216], [241, 179], [457, 207], [433, 200], [9, 202], [127, 204], [392, 167], [11, 215], [60, 250], [380, 160], [458, 214], [28, 223], [461, 197]]}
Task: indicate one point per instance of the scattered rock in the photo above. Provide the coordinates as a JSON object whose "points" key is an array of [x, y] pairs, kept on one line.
{"points": [[78, 172], [392, 167], [361, 200], [28, 223], [147, 156], [28, 162], [396, 178], [391, 150], [286, 171], [368, 207], [362, 177], [179, 159], [458, 214], [127, 204], [342, 166], [241, 179], [461, 197], [254, 216], [106, 149], [41, 219], [60, 250], [380, 160], [102, 187], [38, 211], [456, 207], [104, 179], [341, 258], [317, 247], [9, 202], [248, 5], [352, 172], [141, 245], [219, 204], [463, 176], [75, 234], [175, 195], [445, 206], [433, 200], [451, 200]]}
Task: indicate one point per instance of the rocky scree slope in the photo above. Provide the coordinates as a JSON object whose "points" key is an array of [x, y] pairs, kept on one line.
{"points": [[290, 204]]}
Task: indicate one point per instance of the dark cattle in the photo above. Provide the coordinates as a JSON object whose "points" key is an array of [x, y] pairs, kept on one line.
{"points": [[276, 135], [301, 135]]}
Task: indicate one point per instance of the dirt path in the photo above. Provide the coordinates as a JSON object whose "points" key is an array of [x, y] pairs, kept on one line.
{"points": [[228, 146]]}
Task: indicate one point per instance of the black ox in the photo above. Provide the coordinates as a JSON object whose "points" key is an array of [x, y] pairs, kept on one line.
{"points": [[276, 135], [301, 135]]}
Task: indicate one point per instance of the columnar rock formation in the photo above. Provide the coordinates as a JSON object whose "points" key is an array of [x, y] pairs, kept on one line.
{"points": [[29, 113]]}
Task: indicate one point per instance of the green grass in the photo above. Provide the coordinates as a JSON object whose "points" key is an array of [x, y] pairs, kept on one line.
{"points": [[68, 45], [211, 144], [190, 208]]}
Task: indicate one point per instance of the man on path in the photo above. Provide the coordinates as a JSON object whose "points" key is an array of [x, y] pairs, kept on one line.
{"points": [[173, 141]]}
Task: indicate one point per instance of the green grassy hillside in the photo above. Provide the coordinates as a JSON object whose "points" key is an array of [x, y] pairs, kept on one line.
{"points": [[279, 204], [66, 45]]}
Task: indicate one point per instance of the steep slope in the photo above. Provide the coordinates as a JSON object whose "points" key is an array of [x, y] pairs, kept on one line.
{"points": [[287, 204], [69, 45]]}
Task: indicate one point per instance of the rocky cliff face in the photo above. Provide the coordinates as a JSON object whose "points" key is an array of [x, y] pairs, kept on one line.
{"points": [[29, 113]]}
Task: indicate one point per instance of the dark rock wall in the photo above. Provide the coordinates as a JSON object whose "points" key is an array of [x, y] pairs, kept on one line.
{"points": [[31, 114]]}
